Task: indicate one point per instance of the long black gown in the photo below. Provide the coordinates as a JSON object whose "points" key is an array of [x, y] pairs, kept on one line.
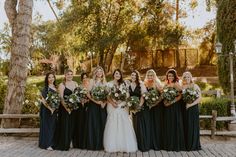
{"points": [[79, 124], [47, 124], [156, 114], [141, 122], [192, 129], [94, 126], [173, 134], [65, 129]]}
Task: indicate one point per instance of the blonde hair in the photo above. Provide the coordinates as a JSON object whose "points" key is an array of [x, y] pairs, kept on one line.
{"points": [[156, 79], [187, 73], [103, 74]]}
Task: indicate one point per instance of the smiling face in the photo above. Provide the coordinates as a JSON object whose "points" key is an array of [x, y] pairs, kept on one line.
{"points": [[117, 75], [150, 76], [133, 76], [99, 73], [170, 77], [51, 79], [69, 76], [187, 78]]}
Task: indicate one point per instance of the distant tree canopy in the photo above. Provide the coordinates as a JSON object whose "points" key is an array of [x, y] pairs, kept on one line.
{"points": [[104, 26]]}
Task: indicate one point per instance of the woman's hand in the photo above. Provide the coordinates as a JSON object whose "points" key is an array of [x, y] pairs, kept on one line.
{"points": [[167, 103], [103, 104]]}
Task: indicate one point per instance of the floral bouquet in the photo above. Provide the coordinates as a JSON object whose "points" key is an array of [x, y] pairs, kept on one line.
{"points": [[133, 104], [151, 97], [119, 93], [190, 95], [53, 100], [72, 101], [81, 92], [169, 93], [99, 93]]}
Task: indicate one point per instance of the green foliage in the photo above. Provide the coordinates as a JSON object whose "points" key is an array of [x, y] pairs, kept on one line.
{"points": [[226, 33], [4, 67], [32, 95], [208, 104], [3, 87]]}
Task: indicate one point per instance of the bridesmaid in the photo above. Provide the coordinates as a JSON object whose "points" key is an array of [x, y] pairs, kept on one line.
{"points": [[156, 113], [173, 122], [78, 139], [192, 116], [141, 120], [48, 117], [66, 116], [95, 114]]}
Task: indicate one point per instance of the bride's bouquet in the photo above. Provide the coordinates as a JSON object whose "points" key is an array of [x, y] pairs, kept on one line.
{"points": [[81, 92], [119, 93], [169, 93], [53, 100], [99, 93], [133, 104], [72, 101], [151, 97], [190, 95]]}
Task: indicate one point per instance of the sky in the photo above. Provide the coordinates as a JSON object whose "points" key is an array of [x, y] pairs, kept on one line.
{"points": [[197, 18]]}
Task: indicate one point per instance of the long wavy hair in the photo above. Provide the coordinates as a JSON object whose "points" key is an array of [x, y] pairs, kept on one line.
{"points": [[46, 79], [103, 74], [174, 72], [138, 79], [156, 81], [187, 73], [120, 81]]}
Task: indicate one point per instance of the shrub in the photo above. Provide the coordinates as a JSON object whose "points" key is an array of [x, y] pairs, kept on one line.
{"points": [[221, 105], [30, 104], [3, 87]]}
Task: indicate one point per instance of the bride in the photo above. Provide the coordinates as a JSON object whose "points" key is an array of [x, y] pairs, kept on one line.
{"points": [[119, 135]]}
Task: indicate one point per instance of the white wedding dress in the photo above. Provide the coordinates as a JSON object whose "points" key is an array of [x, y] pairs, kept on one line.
{"points": [[119, 135]]}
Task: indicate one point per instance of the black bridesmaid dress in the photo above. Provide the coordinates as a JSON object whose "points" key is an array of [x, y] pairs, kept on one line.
{"points": [[95, 120], [192, 129], [141, 123], [65, 129], [156, 114], [173, 134], [47, 124], [78, 136]]}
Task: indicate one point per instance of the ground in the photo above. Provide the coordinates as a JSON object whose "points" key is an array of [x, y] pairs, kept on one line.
{"points": [[28, 147]]}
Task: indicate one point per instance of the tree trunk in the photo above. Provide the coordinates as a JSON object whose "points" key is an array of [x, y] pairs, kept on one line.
{"points": [[113, 51], [20, 17]]}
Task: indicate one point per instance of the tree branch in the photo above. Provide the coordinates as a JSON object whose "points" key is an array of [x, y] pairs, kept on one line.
{"points": [[50, 5], [10, 9]]}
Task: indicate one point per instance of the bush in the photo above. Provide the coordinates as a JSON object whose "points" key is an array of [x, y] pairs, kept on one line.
{"points": [[221, 105], [3, 87], [30, 104]]}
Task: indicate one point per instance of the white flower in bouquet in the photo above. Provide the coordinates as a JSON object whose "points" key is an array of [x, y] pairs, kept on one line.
{"points": [[72, 101], [53, 100], [119, 93], [133, 104], [169, 93], [151, 97], [190, 95], [99, 93]]}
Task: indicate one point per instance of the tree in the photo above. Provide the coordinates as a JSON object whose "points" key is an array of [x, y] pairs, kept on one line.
{"points": [[226, 34], [19, 13]]}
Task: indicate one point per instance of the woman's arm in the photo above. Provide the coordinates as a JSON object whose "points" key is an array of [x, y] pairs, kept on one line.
{"points": [[44, 102], [61, 89]]}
